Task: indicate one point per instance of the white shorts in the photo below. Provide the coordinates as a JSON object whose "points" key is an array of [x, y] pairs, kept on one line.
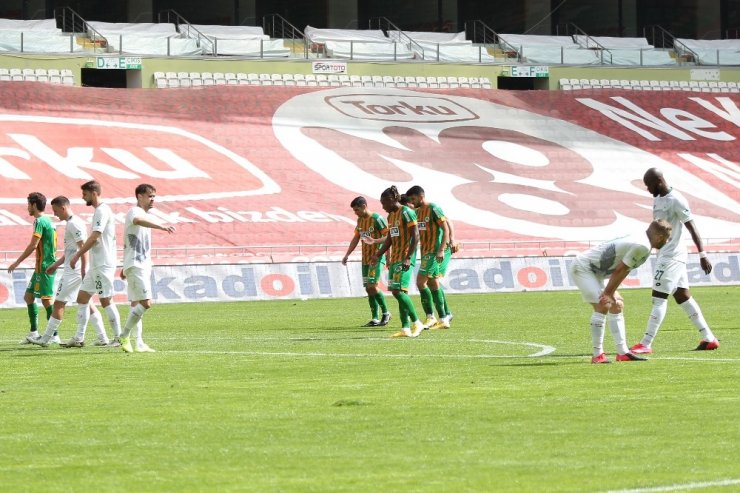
{"points": [[590, 285], [139, 283], [68, 287], [669, 275], [100, 282]]}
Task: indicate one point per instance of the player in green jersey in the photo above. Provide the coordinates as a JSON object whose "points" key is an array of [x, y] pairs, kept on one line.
{"points": [[434, 238], [369, 225], [402, 237], [41, 285]]}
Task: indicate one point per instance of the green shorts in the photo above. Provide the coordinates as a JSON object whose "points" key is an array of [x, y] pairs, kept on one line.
{"points": [[371, 273], [431, 268], [41, 285], [399, 279]]}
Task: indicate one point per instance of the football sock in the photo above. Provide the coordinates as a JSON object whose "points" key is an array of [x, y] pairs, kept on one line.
{"points": [[96, 320], [406, 299], [426, 300], [51, 327], [597, 332], [438, 296], [617, 328], [49, 310], [138, 333], [134, 316], [83, 316], [114, 318], [373, 306], [33, 316], [380, 298], [403, 312], [692, 309], [660, 307]]}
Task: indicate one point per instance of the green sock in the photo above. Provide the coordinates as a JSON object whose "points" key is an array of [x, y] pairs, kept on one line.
{"points": [[373, 306], [439, 302], [447, 309], [426, 300], [33, 316], [406, 300], [380, 298], [403, 311], [49, 309]]}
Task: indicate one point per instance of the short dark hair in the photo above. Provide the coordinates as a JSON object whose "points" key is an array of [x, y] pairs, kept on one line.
{"points": [[415, 190], [144, 188], [60, 200], [404, 199], [358, 202], [38, 199], [91, 186]]}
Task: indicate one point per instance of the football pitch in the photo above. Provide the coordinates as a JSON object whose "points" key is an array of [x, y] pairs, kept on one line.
{"points": [[293, 396]]}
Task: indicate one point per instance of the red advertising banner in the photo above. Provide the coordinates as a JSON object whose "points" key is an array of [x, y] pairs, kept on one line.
{"points": [[255, 166]]}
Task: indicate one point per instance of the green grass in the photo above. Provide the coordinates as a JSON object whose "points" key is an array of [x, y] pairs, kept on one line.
{"points": [[294, 396]]}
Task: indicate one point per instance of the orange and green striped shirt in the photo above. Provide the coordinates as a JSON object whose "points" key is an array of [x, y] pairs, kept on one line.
{"points": [[46, 250], [373, 226], [430, 218], [399, 224]]}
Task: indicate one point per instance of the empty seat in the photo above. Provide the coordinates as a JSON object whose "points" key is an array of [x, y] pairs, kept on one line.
{"points": [[311, 80], [378, 81], [231, 78], [410, 81], [400, 81], [322, 80], [464, 82], [68, 80], [277, 79], [474, 82], [432, 82], [300, 79], [16, 74], [421, 82], [219, 78], [388, 81], [354, 80], [344, 80], [453, 82], [242, 79], [254, 79]]}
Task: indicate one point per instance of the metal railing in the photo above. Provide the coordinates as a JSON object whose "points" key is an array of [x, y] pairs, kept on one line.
{"points": [[184, 27], [660, 38], [479, 32], [277, 27], [72, 22], [590, 41], [398, 36]]}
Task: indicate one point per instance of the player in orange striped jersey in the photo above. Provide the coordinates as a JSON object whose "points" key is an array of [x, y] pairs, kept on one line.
{"points": [[370, 225], [401, 240], [434, 237]]}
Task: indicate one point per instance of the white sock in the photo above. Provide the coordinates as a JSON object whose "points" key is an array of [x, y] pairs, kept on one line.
{"points": [[692, 309], [51, 326], [96, 320], [138, 333], [660, 307], [134, 316], [83, 316], [617, 328], [114, 318], [597, 332]]}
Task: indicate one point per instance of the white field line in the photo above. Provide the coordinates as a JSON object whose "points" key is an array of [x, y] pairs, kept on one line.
{"points": [[681, 487]]}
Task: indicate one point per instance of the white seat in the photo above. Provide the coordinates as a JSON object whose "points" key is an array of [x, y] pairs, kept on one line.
{"points": [[185, 82], [40, 71], [311, 80], [68, 80], [400, 81], [219, 78], [464, 82], [173, 83], [16, 74], [564, 81], [339, 80], [388, 81], [474, 82], [277, 79], [66, 73], [354, 80], [453, 82], [170, 75], [378, 81], [289, 80], [410, 81], [194, 75], [30, 78], [442, 82], [322, 80], [432, 82], [159, 82], [300, 79], [196, 82]]}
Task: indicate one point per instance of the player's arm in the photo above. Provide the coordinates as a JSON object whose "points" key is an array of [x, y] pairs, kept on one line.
{"points": [[381, 251], [141, 221], [351, 248], [706, 265], [53, 267], [26, 253], [619, 275], [454, 246], [413, 243], [91, 240], [83, 260], [445, 240]]}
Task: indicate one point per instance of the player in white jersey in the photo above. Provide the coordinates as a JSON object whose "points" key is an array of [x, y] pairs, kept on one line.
{"points": [[613, 260], [100, 275], [75, 234], [670, 277], [137, 264]]}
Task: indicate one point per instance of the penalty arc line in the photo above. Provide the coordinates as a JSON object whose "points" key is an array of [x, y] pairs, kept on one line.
{"points": [[677, 487]]}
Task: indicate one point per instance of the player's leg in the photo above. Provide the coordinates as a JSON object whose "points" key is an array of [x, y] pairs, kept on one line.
{"points": [[693, 311], [372, 301], [139, 291], [104, 283], [425, 293], [87, 288], [373, 279], [29, 297], [665, 281], [590, 287]]}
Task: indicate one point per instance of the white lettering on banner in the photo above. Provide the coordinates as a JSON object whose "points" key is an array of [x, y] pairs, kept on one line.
{"points": [[7, 218], [680, 118], [731, 112], [721, 168], [275, 214], [70, 152], [197, 283]]}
